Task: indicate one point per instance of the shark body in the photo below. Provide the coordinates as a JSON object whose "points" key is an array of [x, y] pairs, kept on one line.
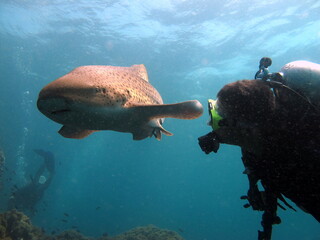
{"points": [[93, 98]]}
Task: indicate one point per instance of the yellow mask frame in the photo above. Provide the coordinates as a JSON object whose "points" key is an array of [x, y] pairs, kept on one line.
{"points": [[214, 115]]}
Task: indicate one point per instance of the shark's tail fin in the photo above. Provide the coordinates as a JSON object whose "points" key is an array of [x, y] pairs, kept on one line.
{"points": [[184, 110]]}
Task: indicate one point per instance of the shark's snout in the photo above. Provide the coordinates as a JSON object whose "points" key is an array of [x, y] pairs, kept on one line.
{"points": [[53, 106]]}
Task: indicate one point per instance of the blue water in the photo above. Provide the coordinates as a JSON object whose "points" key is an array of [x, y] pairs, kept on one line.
{"points": [[191, 48]]}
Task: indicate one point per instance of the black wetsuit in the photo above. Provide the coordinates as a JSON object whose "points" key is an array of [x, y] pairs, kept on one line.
{"points": [[289, 164]]}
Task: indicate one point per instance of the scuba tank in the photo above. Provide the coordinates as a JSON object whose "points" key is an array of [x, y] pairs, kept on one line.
{"points": [[303, 77]]}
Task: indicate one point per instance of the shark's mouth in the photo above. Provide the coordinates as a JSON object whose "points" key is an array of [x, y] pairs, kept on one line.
{"points": [[53, 106], [61, 111]]}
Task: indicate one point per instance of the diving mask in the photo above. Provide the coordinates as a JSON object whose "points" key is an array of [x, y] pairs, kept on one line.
{"points": [[210, 142], [215, 117]]}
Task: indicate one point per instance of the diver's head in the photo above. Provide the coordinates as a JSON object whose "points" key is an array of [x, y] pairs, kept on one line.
{"points": [[241, 110], [247, 101]]}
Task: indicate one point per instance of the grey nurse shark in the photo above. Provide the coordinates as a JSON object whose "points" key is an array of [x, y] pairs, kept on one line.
{"points": [[93, 98]]}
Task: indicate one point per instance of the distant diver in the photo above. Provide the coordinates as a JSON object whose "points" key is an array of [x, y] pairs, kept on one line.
{"points": [[275, 119], [93, 98], [26, 197]]}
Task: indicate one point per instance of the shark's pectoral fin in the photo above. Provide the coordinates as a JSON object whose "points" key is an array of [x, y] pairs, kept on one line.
{"points": [[72, 132]]}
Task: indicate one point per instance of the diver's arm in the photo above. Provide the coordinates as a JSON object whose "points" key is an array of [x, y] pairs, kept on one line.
{"points": [[269, 216], [254, 196], [48, 159]]}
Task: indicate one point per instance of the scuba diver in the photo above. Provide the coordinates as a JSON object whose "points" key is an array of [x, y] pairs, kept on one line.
{"points": [[275, 120], [26, 197]]}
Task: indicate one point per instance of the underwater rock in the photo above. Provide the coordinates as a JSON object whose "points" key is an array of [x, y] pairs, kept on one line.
{"points": [[70, 235], [149, 232], [15, 225]]}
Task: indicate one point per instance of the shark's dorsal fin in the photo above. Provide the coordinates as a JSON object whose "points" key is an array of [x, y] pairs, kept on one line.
{"points": [[72, 132], [141, 71]]}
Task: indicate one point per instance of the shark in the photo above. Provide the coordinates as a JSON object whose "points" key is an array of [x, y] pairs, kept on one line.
{"points": [[98, 97]]}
